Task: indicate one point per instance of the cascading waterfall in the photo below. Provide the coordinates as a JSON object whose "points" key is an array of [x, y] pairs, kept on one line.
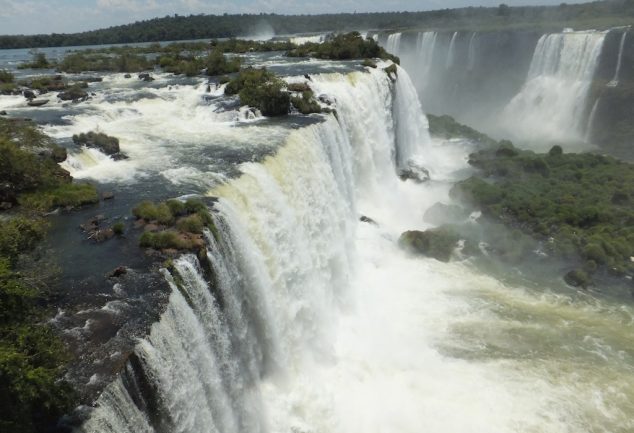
{"points": [[593, 115], [424, 57], [394, 43], [552, 103], [451, 54], [615, 81], [279, 261], [471, 59]]}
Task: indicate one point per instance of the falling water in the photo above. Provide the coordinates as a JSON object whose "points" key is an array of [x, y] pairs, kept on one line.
{"points": [[451, 53], [472, 52], [394, 43], [615, 81], [552, 103], [593, 115]]}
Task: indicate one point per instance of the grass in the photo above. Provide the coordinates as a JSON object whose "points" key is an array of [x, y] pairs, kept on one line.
{"points": [[67, 195]]}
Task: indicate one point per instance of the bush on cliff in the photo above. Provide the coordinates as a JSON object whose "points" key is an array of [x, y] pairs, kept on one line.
{"points": [[344, 47], [260, 89]]}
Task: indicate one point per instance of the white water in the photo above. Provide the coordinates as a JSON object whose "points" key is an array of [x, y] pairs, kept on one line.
{"points": [[615, 81], [552, 103], [451, 53], [591, 119], [394, 43], [328, 327], [471, 59]]}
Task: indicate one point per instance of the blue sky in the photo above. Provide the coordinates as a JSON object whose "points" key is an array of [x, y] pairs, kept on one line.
{"points": [[63, 16]]}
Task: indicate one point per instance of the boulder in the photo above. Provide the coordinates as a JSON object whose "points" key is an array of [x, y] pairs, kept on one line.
{"points": [[146, 77], [118, 272], [29, 94], [37, 102], [127, 76], [436, 243], [365, 219], [109, 195], [3, 113], [105, 143], [73, 93], [415, 172]]}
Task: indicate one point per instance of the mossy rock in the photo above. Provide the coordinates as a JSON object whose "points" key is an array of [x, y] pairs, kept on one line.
{"points": [[578, 278], [107, 144], [436, 243]]}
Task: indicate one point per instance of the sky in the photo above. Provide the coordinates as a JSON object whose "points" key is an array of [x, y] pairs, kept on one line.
{"points": [[69, 16]]}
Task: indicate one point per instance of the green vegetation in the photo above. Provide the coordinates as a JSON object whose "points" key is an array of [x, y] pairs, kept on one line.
{"points": [[579, 204], [109, 145], [32, 357], [343, 47], [7, 82], [306, 104], [92, 61], [66, 195], [260, 89], [182, 224], [118, 228], [216, 63], [597, 14], [446, 127], [38, 61]]}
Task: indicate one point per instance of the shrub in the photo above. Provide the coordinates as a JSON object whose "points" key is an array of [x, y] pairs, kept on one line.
{"points": [[556, 151], [216, 63], [191, 224], [148, 211], [261, 89], [306, 104], [6, 76], [163, 240], [369, 63], [66, 195], [177, 207], [118, 228]]}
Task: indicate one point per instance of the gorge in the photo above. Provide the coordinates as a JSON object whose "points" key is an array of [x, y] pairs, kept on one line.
{"points": [[302, 313]]}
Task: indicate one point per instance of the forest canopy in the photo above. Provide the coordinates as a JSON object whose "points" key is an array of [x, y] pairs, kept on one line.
{"points": [[600, 14]]}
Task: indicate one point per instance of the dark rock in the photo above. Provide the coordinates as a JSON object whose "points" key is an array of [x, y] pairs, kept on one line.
{"points": [[328, 100], [73, 93], [107, 195], [208, 88], [119, 272], [29, 94], [3, 113], [436, 243], [102, 235], [37, 102], [414, 172], [299, 87], [146, 77], [92, 79], [365, 219], [127, 76], [308, 77], [105, 143]]}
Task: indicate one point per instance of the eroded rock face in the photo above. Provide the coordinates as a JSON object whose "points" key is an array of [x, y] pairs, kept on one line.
{"points": [[415, 172]]}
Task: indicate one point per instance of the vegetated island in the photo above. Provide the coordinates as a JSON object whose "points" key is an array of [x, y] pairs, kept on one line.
{"points": [[575, 207]]}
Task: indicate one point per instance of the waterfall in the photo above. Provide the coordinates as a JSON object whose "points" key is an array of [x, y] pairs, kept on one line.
{"points": [[593, 115], [552, 103], [615, 81], [472, 52], [394, 43], [277, 267], [451, 53], [424, 57]]}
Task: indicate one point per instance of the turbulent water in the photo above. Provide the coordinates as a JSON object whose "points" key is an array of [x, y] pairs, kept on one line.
{"points": [[303, 319]]}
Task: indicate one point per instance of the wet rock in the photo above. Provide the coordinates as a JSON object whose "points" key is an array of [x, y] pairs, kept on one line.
{"points": [[92, 79], [108, 195], [208, 90], [29, 94], [73, 93], [365, 219], [7, 193], [102, 235], [105, 143], [3, 113], [37, 102], [326, 99], [127, 76], [118, 272], [437, 243], [299, 87], [146, 77], [308, 77], [414, 172]]}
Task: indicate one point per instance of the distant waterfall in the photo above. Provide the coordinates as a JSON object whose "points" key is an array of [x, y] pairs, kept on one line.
{"points": [[394, 43], [451, 54], [591, 119], [471, 59], [276, 270], [552, 103], [615, 81]]}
